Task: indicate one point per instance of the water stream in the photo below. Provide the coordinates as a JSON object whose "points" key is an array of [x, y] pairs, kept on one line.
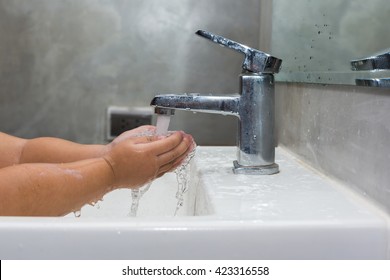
{"points": [[182, 173], [182, 176], [136, 195], [162, 125]]}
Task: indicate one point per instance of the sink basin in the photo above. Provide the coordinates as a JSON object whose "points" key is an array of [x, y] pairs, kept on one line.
{"points": [[296, 214], [159, 201]]}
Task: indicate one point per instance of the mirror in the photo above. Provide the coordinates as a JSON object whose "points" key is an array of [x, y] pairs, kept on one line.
{"points": [[317, 40]]}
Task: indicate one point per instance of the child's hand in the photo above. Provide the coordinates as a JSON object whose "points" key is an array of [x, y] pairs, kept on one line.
{"points": [[137, 160]]}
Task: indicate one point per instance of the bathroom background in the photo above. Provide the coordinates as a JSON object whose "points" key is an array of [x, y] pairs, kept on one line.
{"points": [[62, 63]]}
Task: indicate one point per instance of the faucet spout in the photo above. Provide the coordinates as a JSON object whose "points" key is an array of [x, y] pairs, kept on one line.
{"points": [[226, 105]]}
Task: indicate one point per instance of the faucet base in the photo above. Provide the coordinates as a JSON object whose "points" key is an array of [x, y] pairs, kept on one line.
{"points": [[255, 170]]}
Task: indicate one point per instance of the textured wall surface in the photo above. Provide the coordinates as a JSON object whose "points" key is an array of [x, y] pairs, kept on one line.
{"points": [[315, 37], [62, 62], [343, 131]]}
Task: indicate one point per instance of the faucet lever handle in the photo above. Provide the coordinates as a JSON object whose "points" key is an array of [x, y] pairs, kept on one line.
{"points": [[255, 61]]}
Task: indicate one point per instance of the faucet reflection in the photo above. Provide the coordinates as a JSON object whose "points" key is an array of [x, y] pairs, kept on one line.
{"points": [[254, 107]]}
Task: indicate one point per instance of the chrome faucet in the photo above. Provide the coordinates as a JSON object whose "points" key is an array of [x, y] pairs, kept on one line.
{"points": [[254, 106]]}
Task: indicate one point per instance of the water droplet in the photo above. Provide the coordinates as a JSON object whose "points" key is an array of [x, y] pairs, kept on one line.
{"points": [[77, 213]]}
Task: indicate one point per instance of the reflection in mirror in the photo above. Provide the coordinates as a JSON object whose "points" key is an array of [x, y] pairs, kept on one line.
{"points": [[378, 61], [317, 40]]}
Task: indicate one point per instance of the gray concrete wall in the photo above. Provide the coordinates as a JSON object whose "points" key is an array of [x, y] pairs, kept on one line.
{"points": [[343, 131], [63, 62]]}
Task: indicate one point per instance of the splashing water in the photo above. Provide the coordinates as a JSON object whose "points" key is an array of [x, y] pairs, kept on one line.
{"points": [[162, 125], [136, 195], [182, 172], [182, 176]]}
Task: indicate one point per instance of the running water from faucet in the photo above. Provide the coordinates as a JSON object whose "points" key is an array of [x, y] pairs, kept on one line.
{"points": [[162, 125], [182, 172]]}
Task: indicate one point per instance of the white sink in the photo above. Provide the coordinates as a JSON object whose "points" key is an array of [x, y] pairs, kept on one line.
{"points": [[296, 214], [159, 201]]}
